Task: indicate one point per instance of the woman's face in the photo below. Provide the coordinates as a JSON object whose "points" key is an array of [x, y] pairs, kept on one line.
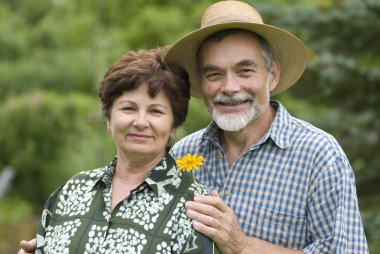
{"points": [[140, 125]]}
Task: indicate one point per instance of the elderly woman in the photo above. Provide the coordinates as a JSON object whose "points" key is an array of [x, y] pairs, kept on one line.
{"points": [[136, 203]]}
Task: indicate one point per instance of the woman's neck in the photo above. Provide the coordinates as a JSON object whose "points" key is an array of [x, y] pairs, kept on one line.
{"points": [[129, 174], [136, 168]]}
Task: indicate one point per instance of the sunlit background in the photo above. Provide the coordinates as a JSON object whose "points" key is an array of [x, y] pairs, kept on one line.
{"points": [[53, 53]]}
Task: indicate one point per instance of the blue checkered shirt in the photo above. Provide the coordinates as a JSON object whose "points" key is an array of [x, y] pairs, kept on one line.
{"points": [[294, 188]]}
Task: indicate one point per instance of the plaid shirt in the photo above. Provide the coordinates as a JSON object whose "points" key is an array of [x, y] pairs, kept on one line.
{"points": [[294, 188]]}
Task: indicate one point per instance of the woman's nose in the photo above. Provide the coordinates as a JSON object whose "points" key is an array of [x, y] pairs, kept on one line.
{"points": [[140, 121]]}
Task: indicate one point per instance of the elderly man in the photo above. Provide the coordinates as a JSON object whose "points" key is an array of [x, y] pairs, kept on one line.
{"points": [[282, 185]]}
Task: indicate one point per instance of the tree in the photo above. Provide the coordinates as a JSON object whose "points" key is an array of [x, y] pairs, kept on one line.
{"points": [[42, 133]]}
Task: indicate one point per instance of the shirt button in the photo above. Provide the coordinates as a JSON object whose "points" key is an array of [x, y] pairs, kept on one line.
{"points": [[221, 156], [227, 193]]}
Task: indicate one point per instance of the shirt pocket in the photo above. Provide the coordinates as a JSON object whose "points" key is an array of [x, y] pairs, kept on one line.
{"points": [[285, 228]]}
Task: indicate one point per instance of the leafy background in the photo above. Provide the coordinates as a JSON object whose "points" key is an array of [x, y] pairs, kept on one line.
{"points": [[53, 53]]}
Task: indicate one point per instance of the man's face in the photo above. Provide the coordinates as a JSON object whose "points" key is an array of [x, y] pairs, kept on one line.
{"points": [[235, 83]]}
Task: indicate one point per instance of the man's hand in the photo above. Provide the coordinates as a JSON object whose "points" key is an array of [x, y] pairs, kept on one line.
{"points": [[27, 247], [216, 220]]}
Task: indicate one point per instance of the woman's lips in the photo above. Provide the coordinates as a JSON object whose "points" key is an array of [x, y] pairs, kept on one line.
{"points": [[139, 137]]}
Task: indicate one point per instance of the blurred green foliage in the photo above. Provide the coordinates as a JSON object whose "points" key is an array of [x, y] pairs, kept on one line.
{"points": [[54, 52], [46, 139]]}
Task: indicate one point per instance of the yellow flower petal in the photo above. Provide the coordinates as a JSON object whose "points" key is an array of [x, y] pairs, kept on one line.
{"points": [[188, 162]]}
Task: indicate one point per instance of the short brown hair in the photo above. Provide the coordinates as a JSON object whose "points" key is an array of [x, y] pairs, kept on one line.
{"points": [[147, 66]]}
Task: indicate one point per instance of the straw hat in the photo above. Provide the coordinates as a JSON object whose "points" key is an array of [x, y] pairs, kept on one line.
{"points": [[286, 48]]}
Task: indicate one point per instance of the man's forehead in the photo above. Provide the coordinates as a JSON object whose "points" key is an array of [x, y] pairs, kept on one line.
{"points": [[231, 47], [242, 63]]}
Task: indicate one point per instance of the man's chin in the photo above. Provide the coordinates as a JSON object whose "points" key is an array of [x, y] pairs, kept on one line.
{"points": [[231, 123]]}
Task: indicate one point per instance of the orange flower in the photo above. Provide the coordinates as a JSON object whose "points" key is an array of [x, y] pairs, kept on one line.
{"points": [[188, 162]]}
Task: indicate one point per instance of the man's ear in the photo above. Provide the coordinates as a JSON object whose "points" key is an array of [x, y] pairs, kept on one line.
{"points": [[274, 75]]}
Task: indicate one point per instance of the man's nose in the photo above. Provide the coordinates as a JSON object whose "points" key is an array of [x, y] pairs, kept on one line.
{"points": [[230, 84]]}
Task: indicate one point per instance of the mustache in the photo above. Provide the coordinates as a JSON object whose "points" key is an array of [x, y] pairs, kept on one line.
{"points": [[235, 98]]}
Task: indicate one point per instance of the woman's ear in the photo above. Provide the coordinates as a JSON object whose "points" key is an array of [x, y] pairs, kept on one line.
{"points": [[173, 133], [108, 126]]}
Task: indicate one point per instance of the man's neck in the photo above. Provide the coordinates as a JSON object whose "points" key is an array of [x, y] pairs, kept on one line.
{"points": [[236, 143]]}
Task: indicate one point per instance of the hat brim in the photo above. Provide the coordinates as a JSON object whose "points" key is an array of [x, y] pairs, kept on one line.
{"points": [[287, 49]]}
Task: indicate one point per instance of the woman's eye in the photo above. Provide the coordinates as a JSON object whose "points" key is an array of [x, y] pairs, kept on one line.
{"points": [[156, 111], [129, 109]]}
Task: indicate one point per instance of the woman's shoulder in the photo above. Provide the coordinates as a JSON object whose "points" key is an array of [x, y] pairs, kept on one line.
{"points": [[92, 174], [192, 185], [83, 178]]}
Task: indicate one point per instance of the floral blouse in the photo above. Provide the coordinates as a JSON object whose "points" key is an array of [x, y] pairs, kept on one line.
{"points": [[77, 217]]}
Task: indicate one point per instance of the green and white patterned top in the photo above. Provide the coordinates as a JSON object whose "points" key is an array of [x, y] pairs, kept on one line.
{"points": [[77, 217]]}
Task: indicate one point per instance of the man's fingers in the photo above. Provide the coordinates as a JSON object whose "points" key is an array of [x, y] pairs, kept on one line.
{"points": [[207, 218], [214, 193], [213, 200], [199, 209], [206, 230], [28, 246]]}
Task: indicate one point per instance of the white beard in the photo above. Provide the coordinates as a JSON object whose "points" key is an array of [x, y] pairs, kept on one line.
{"points": [[233, 123], [236, 122]]}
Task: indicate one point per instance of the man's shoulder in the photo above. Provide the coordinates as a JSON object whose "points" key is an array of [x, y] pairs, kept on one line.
{"points": [[192, 137], [188, 144], [306, 133], [301, 134]]}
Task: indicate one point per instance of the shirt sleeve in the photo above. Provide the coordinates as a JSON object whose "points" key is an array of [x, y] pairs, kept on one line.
{"points": [[334, 220], [45, 218]]}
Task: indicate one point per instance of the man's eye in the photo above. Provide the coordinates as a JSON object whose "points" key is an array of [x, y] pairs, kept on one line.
{"points": [[246, 72], [213, 76]]}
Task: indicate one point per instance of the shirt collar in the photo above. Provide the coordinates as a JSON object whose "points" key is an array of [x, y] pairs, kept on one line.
{"points": [[161, 177], [279, 131], [158, 179], [105, 178]]}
